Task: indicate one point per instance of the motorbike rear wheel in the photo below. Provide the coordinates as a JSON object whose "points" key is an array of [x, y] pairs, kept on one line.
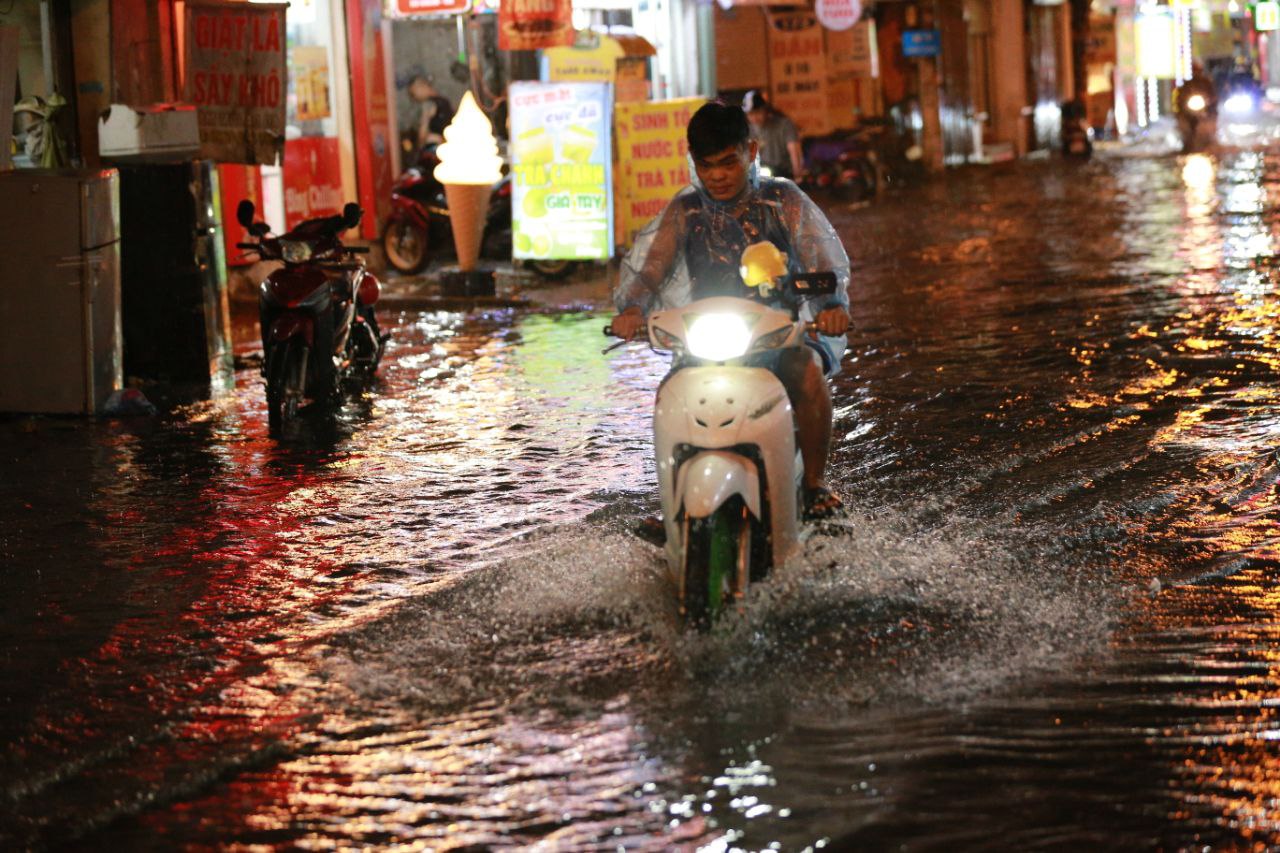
{"points": [[714, 548], [286, 382], [553, 269], [405, 245]]}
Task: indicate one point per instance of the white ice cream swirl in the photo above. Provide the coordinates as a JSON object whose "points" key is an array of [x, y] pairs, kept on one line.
{"points": [[469, 153]]}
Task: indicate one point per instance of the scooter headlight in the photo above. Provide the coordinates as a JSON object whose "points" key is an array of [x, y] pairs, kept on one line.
{"points": [[719, 337], [295, 251], [1239, 103], [1195, 103]]}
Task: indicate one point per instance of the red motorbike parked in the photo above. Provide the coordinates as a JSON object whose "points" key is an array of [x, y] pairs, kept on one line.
{"points": [[315, 312], [419, 226]]}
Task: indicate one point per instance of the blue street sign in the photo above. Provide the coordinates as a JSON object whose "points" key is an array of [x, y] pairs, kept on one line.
{"points": [[921, 42]]}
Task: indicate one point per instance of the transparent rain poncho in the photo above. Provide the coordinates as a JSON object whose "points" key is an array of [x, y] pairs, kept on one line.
{"points": [[692, 249]]}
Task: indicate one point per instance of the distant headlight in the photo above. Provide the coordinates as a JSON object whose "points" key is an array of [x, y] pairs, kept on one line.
{"points": [[1195, 103], [719, 337], [295, 251], [1239, 103]]}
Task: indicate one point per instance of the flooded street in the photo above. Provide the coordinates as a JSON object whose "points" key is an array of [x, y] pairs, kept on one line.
{"points": [[1050, 620]]}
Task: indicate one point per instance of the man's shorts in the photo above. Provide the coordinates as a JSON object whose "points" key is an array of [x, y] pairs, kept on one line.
{"points": [[830, 350]]}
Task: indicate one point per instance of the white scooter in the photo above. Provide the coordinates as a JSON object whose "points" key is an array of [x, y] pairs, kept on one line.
{"points": [[729, 470]]}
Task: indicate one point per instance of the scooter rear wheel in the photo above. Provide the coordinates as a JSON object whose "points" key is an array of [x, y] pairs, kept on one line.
{"points": [[405, 245]]}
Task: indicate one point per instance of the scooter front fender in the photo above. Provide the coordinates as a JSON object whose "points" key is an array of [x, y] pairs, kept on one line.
{"points": [[710, 478]]}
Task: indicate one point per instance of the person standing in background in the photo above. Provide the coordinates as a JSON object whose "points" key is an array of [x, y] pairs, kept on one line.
{"points": [[779, 140], [434, 112]]}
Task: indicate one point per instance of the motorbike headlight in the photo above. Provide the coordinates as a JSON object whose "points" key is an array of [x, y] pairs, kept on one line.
{"points": [[1195, 103], [295, 251], [1238, 103], [719, 337]]}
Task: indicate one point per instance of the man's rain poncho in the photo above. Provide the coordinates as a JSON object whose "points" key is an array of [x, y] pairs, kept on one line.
{"points": [[692, 249]]}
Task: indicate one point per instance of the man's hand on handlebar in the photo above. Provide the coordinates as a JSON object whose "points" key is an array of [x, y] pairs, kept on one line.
{"points": [[628, 324], [832, 321]]}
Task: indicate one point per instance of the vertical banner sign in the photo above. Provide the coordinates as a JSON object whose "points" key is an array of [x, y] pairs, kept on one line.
{"points": [[561, 159], [853, 52], [1157, 43], [652, 159], [535, 24], [235, 61], [367, 49], [798, 71], [310, 67]]}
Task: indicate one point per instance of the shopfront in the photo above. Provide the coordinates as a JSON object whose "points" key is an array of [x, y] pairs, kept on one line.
{"points": [[338, 144]]}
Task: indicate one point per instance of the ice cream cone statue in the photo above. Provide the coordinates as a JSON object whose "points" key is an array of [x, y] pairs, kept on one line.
{"points": [[469, 167]]}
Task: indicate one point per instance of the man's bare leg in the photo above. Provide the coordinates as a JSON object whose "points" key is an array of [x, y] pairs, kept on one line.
{"points": [[810, 396]]}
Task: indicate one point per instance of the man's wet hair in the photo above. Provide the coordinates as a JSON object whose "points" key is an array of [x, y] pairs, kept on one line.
{"points": [[715, 127]]}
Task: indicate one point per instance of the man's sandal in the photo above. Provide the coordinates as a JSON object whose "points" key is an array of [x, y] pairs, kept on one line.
{"points": [[652, 530], [821, 503]]}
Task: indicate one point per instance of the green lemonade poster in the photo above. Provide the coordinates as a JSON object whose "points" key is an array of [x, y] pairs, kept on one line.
{"points": [[561, 156]]}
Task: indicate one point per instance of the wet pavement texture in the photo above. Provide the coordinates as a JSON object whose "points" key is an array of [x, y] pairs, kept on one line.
{"points": [[1048, 622]]}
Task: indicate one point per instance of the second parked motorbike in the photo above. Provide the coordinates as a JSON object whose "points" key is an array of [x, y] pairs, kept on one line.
{"points": [[316, 312], [419, 227]]}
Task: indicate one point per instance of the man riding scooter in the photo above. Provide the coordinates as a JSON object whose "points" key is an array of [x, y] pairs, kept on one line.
{"points": [[1196, 103], [692, 250]]}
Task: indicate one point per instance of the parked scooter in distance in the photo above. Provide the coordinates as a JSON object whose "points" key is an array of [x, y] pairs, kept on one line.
{"points": [[729, 470], [315, 312]]}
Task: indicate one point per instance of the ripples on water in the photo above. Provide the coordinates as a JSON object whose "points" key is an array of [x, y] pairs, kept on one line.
{"points": [[1047, 623]]}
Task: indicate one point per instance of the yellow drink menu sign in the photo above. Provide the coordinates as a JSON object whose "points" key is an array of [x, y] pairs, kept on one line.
{"points": [[653, 162]]}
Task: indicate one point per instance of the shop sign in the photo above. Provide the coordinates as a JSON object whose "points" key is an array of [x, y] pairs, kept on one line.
{"points": [[921, 43], [853, 52], [535, 24], [407, 8], [838, 15], [592, 58], [1157, 45], [235, 66], [798, 69], [312, 179], [653, 162], [561, 148], [1266, 16]]}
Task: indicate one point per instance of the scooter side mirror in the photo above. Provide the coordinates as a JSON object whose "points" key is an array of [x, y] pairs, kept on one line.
{"points": [[244, 213], [351, 214]]}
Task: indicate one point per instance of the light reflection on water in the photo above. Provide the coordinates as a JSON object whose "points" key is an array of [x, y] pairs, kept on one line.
{"points": [[1050, 621]]}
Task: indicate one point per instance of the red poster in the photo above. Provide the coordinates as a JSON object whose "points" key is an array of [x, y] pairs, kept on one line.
{"points": [[312, 179], [236, 183], [373, 136], [235, 75], [534, 24]]}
